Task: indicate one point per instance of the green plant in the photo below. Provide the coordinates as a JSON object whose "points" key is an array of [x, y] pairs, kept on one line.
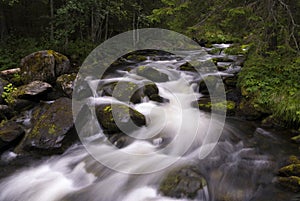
{"points": [[7, 95]]}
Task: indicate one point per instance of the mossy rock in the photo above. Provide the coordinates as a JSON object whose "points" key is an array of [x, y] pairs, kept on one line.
{"points": [[208, 83], [129, 91], [205, 104], [66, 83], [3, 83], [248, 110], [53, 130], [32, 91], [44, 65], [136, 57], [182, 183], [152, 74], [187, 67], [290, 170], [291, 183], [116, 118], [10, 134]]}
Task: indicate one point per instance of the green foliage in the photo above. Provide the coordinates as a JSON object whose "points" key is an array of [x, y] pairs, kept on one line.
{"points": [[272, 83], [7, 95]]}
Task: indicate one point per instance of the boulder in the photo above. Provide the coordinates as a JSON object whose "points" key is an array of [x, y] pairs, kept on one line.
{"points": [[152, 74], [3, 83], [185, 182], [66, 83], [290, 170], [53, 129], [6, 112], [131, 91], [10, 134], [33, 91], [116, 118], [291, 183], [44, 65]]}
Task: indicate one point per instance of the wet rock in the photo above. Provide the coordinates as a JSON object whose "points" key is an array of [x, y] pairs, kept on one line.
{"points": [[131, 91], [32, 91], [248, 110], [10, 134], [44, 65], [208, 83], [82, 90], [136, 57], [187, 67], [53, 130], [66, 83], [183, 183], [115, 118], [206, 105], [152, 74], [20, 105]]}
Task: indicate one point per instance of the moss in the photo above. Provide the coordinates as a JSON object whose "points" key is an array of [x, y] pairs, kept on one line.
{"points": [[52, 129]]}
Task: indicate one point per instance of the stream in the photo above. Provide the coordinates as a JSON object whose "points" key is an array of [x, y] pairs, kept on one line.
{"points": [[241, 165]]}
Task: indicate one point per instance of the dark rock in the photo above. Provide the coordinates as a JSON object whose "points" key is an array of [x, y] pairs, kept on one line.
{"points": [[183, 183], [44, 65], [291, 183], [290, 170], [248, 111], [115, 118], [66, 83], [187, 67], [152, 74], [6, 112], [3, 83], [32, 91], [206, 105], [131, 91], [53, 130], [10, 134], [22, 105]]}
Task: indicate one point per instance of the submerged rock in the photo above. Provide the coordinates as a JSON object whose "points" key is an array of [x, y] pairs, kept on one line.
{"points": [[53, 130], [183, 183], [115, 118], [44, 65]]}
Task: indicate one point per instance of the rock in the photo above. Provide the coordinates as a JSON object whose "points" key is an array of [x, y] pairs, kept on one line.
{"points": [[291, 183], [82, 90], [66, 83], [131, 91], [220, 107], [44, 65], [53, 130], [152, 74], [32, 91], [187, 67], [6, 112], [209, 82], [115, 118], [248, 110], [296, 139], [10, 134], [120, 140], [22, 105], [182, 183], [3, 83], [290, 170], [136, 57]]}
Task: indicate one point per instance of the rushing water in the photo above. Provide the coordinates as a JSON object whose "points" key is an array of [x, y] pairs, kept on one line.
{"points": [[241, 166]]}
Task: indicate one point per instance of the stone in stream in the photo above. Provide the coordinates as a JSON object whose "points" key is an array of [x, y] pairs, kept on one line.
{"points": [[131, 91], [53, 129], [66, 83], [10, 134], [152, 74], [115, 118], [3, 83], [185, 182], [44, 65]]}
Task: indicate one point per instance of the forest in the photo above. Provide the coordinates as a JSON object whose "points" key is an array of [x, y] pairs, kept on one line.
{"points": [[135, 132]]}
